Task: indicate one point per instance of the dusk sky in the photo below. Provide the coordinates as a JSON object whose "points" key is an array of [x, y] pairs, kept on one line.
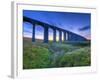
{"points": [[79, 23]]}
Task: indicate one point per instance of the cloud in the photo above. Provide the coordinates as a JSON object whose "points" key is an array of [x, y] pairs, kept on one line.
{"points": [[26, 34], [84, 28]]}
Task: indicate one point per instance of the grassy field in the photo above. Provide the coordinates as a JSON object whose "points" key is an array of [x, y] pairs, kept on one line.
{"points": [[50, 55]]}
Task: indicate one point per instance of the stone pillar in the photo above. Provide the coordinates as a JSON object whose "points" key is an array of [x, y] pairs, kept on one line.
{"points": [[60, 36], [54, 35], [64, 36], [45, 34], [33, 33], [69, 36]]}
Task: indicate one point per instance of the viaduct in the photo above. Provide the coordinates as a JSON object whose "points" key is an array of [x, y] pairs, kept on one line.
{"points": [[71, 36]]}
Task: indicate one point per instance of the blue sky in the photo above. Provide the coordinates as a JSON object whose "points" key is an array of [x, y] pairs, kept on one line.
{"points": [[79, 23]]}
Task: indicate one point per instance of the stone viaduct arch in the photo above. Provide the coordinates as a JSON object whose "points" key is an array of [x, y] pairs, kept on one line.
{"points": [[71, 36]]}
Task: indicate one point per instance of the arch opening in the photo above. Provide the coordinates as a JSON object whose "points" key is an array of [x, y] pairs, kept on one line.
{"points": [[27, 31], [50, 34], [57, 35], [39, 33]]}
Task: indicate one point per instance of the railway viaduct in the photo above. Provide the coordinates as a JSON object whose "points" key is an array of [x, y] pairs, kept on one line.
{"points": [[71, 36]]}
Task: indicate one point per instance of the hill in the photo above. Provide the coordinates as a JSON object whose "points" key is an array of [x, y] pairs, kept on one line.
{"points": [[50, 55]]}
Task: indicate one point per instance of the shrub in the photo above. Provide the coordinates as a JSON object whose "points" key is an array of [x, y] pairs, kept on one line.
{"points": [[45, 55], [80, 57], [35, 57]]}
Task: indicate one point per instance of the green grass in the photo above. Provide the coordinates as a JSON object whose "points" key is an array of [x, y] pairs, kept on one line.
{"points": [[36, 57], [79, 57], [41, 55]]}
